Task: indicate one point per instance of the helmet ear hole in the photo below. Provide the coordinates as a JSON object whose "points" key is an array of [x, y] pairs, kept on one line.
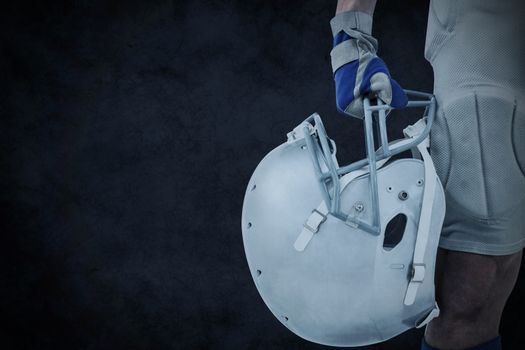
{"points": [[394, 231]]}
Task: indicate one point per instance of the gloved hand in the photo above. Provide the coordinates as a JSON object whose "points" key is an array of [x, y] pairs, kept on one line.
{"points": [[358, 72]]}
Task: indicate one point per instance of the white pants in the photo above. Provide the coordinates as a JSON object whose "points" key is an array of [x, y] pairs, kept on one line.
{"points": [[477, 51]]}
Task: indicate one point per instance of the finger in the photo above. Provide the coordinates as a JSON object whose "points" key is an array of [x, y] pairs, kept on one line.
{"points": [[345, 81]]}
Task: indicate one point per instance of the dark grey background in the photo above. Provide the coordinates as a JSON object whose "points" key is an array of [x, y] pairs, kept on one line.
{"points": [[128, 133]]}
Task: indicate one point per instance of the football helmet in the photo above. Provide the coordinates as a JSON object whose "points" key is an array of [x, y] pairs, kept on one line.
{"points": [[345, 255]]}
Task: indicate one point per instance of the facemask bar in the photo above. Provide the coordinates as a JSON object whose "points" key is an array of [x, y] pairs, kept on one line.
{"points": [[319, 150]]}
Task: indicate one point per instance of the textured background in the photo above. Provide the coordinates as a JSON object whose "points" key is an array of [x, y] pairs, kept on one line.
{"points": [[128, 133]]}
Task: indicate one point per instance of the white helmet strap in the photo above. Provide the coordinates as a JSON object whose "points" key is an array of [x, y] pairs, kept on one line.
{"points": [[423, 230]]}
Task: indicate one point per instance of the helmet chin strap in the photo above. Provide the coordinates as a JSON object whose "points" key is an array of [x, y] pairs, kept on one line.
{"points": [[423, 230]]}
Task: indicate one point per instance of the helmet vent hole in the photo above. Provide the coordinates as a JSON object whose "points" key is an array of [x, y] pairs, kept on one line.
{"points": [[259, 272], [254, 187], [249, 225], [394, 231], [285, 318]]}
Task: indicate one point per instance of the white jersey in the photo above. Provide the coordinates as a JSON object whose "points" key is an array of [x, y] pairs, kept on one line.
{"points": [[472, 43]]}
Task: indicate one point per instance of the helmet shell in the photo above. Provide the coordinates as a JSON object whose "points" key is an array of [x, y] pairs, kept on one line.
{"points": [[346, 288]]}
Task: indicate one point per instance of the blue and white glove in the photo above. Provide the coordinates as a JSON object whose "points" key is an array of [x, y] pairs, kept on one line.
{"points": [[358, 72]]}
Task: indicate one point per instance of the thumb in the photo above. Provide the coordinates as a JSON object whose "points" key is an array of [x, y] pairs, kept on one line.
{"points": [[380, 86]]}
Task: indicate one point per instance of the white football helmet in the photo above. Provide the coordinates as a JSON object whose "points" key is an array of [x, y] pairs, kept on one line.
{"points": [[345, 256]]}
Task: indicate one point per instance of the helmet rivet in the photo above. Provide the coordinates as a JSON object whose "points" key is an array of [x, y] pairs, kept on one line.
{"points": [[403, 195], [420, 182], [389, 189], [359, 207]]}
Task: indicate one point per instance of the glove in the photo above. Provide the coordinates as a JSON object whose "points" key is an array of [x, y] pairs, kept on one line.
{"points": [[358, 72]]}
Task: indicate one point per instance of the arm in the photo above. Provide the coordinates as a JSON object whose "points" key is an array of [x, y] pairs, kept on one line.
{"points": [[358, 71], [367, 6]]}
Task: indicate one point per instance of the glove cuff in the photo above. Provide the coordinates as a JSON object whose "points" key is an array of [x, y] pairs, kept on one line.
{"points": [[358, 27], [350, 21]]}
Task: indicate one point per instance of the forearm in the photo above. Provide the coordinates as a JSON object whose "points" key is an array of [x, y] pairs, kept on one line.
{"points": [[367, 6]]}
